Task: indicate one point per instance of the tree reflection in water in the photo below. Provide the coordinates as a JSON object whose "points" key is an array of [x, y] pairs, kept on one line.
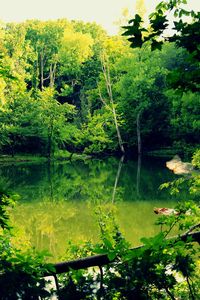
{"points": [[58, 201]]}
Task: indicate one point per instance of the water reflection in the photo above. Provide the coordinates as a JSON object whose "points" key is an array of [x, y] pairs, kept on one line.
{"points": [[94, 180], [138, 175], [58, 200], [117, 178]]}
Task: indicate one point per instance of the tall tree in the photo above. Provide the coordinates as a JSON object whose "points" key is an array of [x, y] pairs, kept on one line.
{"points": [[140, 90], [45, 38], [110, 104]]}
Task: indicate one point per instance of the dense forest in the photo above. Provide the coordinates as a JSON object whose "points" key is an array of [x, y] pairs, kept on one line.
{"points": [[68, 86]]}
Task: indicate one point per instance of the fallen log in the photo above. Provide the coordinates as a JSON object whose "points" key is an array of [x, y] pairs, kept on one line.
{"points": [[102, 259]]}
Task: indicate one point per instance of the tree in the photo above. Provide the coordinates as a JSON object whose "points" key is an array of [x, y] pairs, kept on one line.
{"points": [[184, 67], [91, 68], [52, 120], [45, 38], [185, 34], [110, 104], [103, 96], [140, 91], [184, 117], [159, 23], [75, 49]]}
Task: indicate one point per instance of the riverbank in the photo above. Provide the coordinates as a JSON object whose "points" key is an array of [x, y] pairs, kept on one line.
{"points": [[28, 158], [62, 155], [168, 152]]}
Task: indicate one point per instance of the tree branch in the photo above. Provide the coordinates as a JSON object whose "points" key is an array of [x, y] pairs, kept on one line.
{"points": [[102, 259]]}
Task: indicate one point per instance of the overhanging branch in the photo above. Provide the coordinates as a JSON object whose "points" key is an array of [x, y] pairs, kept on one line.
{"points": [[102, 259]]}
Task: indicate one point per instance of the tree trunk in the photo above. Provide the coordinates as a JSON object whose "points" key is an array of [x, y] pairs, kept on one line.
{"points": [[41, 70], [49, 145], [139, 133], [36, 73], [52, 74], [106, 73], [117, 129], [138, 176]]}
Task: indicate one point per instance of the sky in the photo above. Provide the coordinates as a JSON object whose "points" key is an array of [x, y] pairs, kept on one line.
{"points": [[103, 12]]}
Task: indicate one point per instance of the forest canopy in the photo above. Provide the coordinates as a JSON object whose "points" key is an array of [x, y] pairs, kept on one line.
{"points": [[68, 86]]}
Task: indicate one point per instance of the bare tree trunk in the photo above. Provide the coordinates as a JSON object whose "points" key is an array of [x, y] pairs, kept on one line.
{"points": [[41, 70], [36, 73], [106, 73], [118, 131], [138, 176], [139, 133], [52, 74], [49, 144], [117, 178], [50, 151]]}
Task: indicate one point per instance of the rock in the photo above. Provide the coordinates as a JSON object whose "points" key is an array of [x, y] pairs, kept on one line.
{"points": [[174, 162], [179, 167], [165, 211], [169, 211]]}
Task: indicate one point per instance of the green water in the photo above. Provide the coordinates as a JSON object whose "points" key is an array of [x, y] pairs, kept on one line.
{"points": [[58, 201]]}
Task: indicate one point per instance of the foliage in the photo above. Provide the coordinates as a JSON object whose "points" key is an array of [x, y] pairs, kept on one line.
{"points": [[98, 131], [46, 66], [35, 123], [191, 182], [54, 97], [162, 268], [153, 271], [196, 159], [75, 50], [21, 268], [185, 34], [159, 23], [22, 272], [5, 201], [53, 120], [185, 117], [143, 97]]}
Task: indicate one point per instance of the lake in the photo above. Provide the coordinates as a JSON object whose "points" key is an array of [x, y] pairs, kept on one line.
{"points": [[58, 202]]}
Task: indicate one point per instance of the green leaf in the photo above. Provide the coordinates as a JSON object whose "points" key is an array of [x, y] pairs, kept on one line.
{"points": [[159, 23], [156, 45], [135, 42], [111, 256]]}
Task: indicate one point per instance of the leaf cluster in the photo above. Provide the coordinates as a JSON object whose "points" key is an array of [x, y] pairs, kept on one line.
{"points": [[21, 271], [161, 269], [186, 33]]}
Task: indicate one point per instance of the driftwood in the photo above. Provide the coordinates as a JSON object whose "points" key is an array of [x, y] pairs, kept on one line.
{"points": [[102, 259]]}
